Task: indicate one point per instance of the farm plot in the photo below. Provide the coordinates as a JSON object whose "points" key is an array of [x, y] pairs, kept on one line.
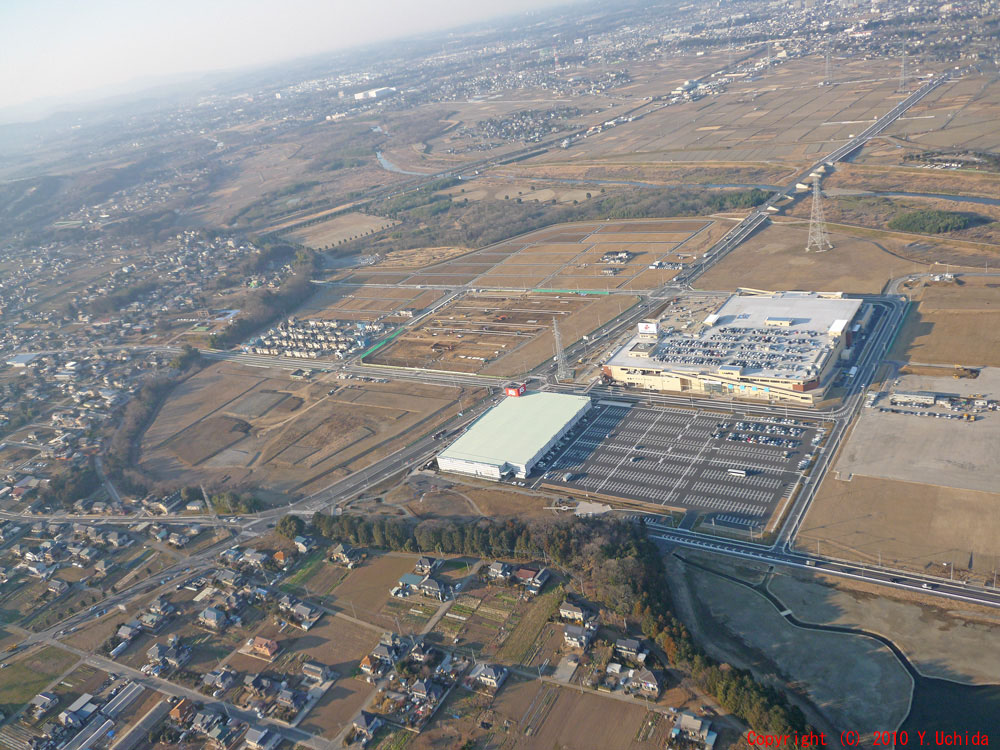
{"points": [[290, 435], [324, 234], [27, 676], [498, 335], [365, 591]]}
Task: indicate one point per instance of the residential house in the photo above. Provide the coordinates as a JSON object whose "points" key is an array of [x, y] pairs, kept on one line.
{"points": [[205, 721], [533, 579], [695, 728], [264, 647], [213, 618], [316, 671], [257, 684], [426, 565], [282, 558], [433, 588], [42, 703], [578, 636], [422, 653], [645, 682], [262, 738], [219, 679], [370, 665], [129, 630], [58, 587], [572, 612], [426, 690], [290, 698], [630, 648], [498, 571], [303, 544], [346, 555], [366, 725], [490, 675], [183, 711]]}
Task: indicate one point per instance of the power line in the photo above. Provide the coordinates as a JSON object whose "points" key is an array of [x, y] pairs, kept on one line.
{"points": [[818, 240]]}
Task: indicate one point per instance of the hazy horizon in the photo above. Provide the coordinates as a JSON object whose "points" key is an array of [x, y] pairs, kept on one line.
{"points": [[59, 50]]}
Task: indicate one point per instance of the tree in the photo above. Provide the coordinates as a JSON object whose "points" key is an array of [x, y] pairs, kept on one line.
{"points": [[291, 526]]}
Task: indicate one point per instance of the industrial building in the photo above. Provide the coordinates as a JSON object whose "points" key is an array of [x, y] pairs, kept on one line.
{"points": [[513, 436], [772, 346]]}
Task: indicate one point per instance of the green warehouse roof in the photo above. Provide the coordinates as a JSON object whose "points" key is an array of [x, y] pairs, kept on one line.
{"points": [[517, 428]]}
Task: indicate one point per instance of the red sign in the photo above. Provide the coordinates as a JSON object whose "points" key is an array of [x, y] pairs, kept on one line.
{"points": [[515, 390]]}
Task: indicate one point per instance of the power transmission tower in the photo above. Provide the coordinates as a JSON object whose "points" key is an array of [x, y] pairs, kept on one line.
{"points": [[903, 73], [818, 240], [828, 78], [729, 61], [562, 369]]}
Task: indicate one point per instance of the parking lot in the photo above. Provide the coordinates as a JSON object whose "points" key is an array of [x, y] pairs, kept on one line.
{"points": [[734, 470]]}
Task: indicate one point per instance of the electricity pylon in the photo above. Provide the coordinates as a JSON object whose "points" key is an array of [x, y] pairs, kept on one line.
{"points": [[818, 240]]}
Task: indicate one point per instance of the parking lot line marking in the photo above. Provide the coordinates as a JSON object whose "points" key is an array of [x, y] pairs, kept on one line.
{"points": [[625, 457]]}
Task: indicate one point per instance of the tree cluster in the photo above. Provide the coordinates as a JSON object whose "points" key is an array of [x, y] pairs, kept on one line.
{"points": [[65, 489], [930, 221], [264, 306]]}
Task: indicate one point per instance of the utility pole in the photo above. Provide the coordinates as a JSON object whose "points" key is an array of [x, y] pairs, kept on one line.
{"points": [[818, 239]]}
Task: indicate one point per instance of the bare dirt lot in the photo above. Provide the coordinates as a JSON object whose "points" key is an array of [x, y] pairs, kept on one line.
{"points": [[916, 526], [326, 234], [775, 258], [366, 589], [954, 324], [293, 435], [498, 335]]}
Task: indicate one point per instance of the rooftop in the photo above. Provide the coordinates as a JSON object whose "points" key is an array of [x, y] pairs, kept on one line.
{"points": [[516, 429], [785, 335]]}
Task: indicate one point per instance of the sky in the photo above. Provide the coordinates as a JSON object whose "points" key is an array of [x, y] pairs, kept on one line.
{"points": [[62, 49]]}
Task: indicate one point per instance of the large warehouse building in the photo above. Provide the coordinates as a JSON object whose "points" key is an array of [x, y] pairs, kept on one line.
{"points": [[772, 346], [511, 437]]}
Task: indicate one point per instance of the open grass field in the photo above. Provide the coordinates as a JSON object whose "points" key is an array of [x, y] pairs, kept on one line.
{"points": [[286, 435], [953, 324], [495, 334], [775, 258], [27, 676], [349, 226], [498, 188]]}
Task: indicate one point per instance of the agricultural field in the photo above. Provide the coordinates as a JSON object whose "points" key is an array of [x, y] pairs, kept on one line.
{"points": [[956, 323], [566, 257], [785, 119], [231, 426], [28, 675], [357, 302], [498, 334], [343, 228], [365, 592]]}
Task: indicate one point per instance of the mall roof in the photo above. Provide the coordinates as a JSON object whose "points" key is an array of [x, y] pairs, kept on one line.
{"points": [[516, 429]]}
